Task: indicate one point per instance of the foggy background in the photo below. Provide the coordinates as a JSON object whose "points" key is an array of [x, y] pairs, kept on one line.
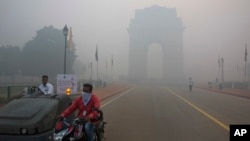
{"points": [[213, 28]]}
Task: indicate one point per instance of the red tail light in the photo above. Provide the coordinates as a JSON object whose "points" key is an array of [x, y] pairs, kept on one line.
{"points": [[59, 125]]}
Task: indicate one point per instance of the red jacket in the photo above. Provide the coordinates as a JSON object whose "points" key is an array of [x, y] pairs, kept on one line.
{"points": [[93, 104]]}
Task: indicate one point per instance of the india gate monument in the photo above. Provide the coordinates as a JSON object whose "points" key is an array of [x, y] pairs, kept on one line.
{"points": [[156, 25]]}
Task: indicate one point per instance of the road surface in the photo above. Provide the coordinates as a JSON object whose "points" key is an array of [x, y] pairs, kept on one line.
{"points": [[149, 113]]}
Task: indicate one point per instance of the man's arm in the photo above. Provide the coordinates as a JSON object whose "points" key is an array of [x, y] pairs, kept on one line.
{"points": [[71, 108], [42, 89], [97, 105], [50, 89]]}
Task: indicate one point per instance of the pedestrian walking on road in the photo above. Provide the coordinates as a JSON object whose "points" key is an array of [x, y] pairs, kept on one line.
{"points": [[190, 84]]}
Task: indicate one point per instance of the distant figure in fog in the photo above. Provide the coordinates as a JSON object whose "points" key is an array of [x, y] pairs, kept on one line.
{"points": [[190, 84], [46, 87]]}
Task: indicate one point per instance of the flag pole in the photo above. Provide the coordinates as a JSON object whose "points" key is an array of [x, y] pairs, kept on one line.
{"points": [[245, 71], [96, 57], [219, 64], [91, 71], [112, 63], [106, 66], [245, 63], [97, 70]]}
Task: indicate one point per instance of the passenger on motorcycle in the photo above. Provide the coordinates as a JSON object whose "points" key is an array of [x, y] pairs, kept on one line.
{"points": [[87, 105]]}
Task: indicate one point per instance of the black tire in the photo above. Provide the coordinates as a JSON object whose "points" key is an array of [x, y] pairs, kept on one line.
{"points": [[99, 136], [99, 133], [84, 138], [95, 137]]}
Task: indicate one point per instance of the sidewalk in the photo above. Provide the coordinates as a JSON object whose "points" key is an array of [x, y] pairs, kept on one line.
{"points": [[230, 91]]}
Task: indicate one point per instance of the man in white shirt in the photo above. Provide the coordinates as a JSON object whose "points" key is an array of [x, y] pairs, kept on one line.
{"points": [[46, 87]]}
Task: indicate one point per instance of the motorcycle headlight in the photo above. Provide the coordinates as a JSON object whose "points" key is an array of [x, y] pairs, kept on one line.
{"points": [[58, 136], [24, 131], [68, 91]]}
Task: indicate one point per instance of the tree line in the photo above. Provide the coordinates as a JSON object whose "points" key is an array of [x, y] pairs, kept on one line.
{"points": [[44, 54]]}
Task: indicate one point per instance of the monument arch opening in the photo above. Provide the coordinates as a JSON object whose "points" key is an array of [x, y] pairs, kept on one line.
{"points": [[156, 25], [154, 63]]}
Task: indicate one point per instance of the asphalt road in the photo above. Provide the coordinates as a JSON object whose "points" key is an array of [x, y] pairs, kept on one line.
{"points": [[148, 113]]}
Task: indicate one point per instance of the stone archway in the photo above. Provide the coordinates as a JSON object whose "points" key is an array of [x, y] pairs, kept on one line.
{"points": [[156, 25]]}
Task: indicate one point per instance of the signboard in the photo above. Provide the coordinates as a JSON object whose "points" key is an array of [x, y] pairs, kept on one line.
{"points": [[65, 81]]}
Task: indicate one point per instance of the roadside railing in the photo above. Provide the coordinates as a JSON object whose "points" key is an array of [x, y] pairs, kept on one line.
{"points": [[230, 84], [10, 91]]}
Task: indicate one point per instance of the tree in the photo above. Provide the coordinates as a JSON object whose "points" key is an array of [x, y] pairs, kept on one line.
{"points": [[80, 69], [10, 60], [44, 54]]}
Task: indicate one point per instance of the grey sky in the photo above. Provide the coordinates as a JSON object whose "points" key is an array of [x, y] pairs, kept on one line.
{"points": [[212, 28]]}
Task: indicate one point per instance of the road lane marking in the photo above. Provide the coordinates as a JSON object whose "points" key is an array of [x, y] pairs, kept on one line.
{"points": [[201, 111], [112, 100]]}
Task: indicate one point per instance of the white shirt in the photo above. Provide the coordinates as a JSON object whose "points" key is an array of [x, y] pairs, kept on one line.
{"points": [[47, 89], [190, 82]]}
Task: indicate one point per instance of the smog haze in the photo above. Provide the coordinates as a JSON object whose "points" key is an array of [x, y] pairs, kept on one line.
{"points": [[212, 29]]}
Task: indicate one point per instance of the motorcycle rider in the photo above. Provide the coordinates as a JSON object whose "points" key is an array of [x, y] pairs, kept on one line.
{"points": [[87, 105], [46, 87]]}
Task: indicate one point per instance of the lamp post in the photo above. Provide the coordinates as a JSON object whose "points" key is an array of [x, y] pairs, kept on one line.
{"points": [[91, 71], [222, 71], [65, 33]]}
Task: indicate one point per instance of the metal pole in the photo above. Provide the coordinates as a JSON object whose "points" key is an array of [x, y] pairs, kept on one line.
{"points": [[65, 55], [65, 33], [248, 73], [245, 71], [111, 74], [218, 75], [222, 71], [97, 71], [222, 74], [246, 84], [91, 71], [9, 92]]}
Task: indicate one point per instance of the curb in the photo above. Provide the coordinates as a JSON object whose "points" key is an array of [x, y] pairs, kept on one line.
{"points": [[221, 91]]}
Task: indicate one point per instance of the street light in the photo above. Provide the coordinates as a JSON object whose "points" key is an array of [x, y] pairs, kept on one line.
{"points": [[65, 33], [222, 71]]}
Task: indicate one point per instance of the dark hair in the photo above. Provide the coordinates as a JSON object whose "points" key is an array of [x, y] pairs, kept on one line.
{"points": [[45, 76], [89, 86]]}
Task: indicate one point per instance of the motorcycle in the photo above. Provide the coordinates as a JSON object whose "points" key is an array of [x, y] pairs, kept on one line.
{"points": [[64, 131]]}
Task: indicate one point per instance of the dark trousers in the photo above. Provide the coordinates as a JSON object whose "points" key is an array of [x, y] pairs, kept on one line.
{"points": [[190, 88]]}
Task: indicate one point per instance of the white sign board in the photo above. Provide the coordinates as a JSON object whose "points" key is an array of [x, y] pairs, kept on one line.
{"points": [[65, 81]]}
